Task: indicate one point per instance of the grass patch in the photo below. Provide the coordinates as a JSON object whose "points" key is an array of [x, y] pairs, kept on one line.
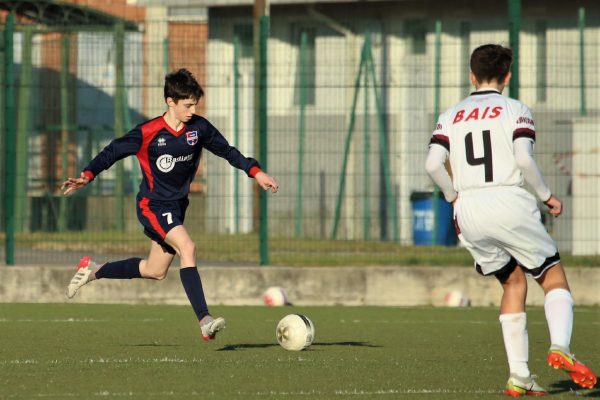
{"points": [[243, 248], [146, 352]]}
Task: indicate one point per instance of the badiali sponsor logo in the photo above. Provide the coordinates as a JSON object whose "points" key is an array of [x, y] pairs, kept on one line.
{"points": [[167, 162]]}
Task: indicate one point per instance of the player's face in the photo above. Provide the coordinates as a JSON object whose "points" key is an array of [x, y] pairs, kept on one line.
{"points": [[184, 109]]}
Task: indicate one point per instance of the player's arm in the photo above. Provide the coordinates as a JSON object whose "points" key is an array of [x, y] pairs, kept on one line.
{"points": [[523, 150], [439, 149], [217, 144], [116, 150], [434, 165]]}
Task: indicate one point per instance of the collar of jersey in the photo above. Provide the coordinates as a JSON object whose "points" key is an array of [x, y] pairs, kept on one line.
{"points": [[485, 91], [171, 130]]}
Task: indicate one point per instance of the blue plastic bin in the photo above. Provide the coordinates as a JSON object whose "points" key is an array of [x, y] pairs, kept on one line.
{"points": [[422, 213]]}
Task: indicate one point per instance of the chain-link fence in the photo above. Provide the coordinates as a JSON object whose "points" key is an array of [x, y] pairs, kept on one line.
{"points": [[352, 97]]}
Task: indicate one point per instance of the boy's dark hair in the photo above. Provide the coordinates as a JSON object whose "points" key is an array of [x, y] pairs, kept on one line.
{"points": [[491, 62], [182, 84]]}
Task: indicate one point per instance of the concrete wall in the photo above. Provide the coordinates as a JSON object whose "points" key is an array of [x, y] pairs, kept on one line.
{"points": [[386, 286]]}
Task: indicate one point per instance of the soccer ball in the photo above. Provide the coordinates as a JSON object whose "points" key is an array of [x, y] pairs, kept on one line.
{"points": [[295, 332], [456, 298], [275, 296]]}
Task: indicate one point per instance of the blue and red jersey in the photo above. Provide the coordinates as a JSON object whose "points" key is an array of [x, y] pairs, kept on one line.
{"points": [[169, 159]]}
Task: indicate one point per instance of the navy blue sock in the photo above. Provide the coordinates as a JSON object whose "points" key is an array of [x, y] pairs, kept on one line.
{"points": [[123, 269], [193, 288]]}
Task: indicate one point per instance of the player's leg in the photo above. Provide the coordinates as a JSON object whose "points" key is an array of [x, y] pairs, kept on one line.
{"points": [[157, 264], [180, 240], [514, 324], [88, 271], [558, 306]]}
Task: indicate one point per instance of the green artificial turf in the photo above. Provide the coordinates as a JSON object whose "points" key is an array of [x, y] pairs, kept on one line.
{"points": [[75, 351]]}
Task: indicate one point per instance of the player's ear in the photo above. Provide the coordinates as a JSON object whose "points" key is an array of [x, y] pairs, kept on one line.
{"points": [[170, 102], [473, 78], [507, 79]]}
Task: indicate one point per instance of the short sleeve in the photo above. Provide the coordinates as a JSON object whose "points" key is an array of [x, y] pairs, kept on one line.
{"points": [[524, 126], [440, 134]]}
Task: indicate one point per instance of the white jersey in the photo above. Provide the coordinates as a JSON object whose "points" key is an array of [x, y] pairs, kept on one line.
{"points": [[480, 131]]}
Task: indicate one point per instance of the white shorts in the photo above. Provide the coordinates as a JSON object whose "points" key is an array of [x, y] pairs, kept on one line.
{"points": [[501, 227]]}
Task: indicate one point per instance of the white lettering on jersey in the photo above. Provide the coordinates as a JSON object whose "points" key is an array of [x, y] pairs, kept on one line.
{"points": [[166, 162]]}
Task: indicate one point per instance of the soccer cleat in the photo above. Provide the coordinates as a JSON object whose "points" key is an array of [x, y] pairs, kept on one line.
{"points": [[85, 273], [210, 326], [581, 375], [518, 386]]}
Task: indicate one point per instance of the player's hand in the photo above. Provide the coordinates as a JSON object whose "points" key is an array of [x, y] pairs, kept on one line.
{"points": [[73, 184], [266, 181], [554, 206]]}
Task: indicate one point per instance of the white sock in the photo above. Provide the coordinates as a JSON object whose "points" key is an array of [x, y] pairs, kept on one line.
{"points": [[558, 305], [516, 342]]}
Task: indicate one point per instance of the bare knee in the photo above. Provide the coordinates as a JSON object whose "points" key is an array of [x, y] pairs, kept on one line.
{"points": [[553, 278], [188, 250], [149, 272], [158, 276], [516, 281]]}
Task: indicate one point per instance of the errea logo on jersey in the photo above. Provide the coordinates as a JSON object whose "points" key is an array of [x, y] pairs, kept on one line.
{"points": [[162, 142], [166, 162]]}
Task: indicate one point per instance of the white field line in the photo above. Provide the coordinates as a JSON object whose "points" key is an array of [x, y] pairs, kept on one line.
{"points": [[62, 320], [267, 393], [163, 360]]}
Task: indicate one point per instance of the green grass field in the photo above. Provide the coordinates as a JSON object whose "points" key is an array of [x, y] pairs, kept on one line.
{"points": [[283, 251], [75, 351]]}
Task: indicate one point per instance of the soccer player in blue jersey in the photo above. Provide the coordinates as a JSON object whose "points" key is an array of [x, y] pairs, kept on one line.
{"points": [[168, 149]]}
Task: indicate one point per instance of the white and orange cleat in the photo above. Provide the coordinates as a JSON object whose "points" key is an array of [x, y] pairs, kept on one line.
{"points": [[85, 273], [518, 386], [210, 326], [581, 375]]}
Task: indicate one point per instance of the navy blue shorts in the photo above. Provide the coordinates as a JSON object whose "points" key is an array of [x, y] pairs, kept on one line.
{"points": [[159, 217]]}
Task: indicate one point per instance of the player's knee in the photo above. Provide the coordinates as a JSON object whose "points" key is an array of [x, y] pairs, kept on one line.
{"points": [[516, 281], [157, 275], [188, 249]]}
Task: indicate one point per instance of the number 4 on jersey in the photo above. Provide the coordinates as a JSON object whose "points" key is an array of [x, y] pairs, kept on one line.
{"points": [[486, 159]]}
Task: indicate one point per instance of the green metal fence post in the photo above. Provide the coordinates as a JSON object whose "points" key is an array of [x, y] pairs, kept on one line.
{"points": [[582, 103], [436, 112], [301, 129], [366, 148], [514, 28], [10, 141], [65, 49], [23, 131], [166, 55], [236, 130], [119, 41], [135, 174], [342, 186], [383, 150], [264, 221]]}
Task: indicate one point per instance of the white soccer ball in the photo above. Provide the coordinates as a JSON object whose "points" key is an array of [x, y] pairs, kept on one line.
{"points": [[295, 332], [275, 296], [456, 298]]}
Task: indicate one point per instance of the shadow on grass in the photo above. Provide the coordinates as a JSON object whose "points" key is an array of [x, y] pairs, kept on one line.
{"points": [[242, 346], [351, 344], [567, 386]]}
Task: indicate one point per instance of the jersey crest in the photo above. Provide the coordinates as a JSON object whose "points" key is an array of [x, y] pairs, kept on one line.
{"points": [[191, 137]]}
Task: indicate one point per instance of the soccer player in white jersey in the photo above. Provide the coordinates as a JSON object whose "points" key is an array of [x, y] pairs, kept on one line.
{"points": [[489, 140]]}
